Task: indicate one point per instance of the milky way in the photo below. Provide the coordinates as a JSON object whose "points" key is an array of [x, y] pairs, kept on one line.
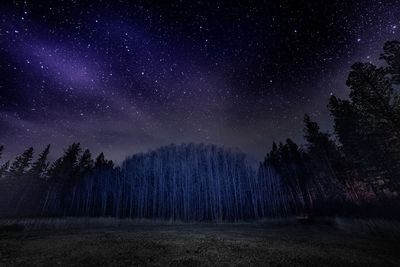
{"points": [[127, 76]]}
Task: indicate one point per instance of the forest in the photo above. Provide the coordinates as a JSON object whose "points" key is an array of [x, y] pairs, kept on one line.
{"points": [[355, 171]]}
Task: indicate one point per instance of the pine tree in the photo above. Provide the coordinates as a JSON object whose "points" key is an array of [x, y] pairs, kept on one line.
{"points": [[101, 162], [319, 143], [63, 175], [21, 163], [391, 54], [326, 161], [374, 97], [377, 102], [368, 126], [85, 162], [4, 169], [290, 161], [346, 121], [65, 168], [39, 167]]}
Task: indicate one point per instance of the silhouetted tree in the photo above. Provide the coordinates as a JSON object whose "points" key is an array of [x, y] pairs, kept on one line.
{"points": [[391, 54], [39, 167], [33, 186], [65, 168], [346, 127], [4, 169], [319, 143], [290, 161], [21, 164], [85, 162], [63, 175], [368, 125], [101, 162], [326, 162]]}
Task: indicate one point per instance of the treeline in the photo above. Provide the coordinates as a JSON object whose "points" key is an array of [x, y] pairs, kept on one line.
{"points": [[186, 182], [360, 163], [190, 182], [25, 182]]}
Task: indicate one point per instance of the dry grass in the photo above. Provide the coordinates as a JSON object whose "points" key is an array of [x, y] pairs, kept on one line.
{"points": [[126, 242], [111, 222], [368, 226]]}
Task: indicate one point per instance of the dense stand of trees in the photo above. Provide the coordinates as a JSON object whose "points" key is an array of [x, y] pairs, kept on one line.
{"points": [[357, 166], [361, 162], [186, 182], [38, 188]]}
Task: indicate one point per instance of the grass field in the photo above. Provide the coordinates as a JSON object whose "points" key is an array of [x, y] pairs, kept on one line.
{"points": [[96, 242]]}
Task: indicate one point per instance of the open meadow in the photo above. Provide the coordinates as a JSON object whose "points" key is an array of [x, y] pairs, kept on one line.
{"points": [[113, 242]]}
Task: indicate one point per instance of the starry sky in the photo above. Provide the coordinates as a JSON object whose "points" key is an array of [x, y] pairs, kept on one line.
{"points": [[127, 76]]}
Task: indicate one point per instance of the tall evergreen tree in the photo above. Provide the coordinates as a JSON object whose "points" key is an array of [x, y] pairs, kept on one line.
{"points": [[68, 161], [368, 125], [64, 169], [326, 162], [374, 97], [39, 167], [290, 161], [319, 144], [63, 174], [4, 169], [391, 54], [85, 162], [346, 120], [21, 163], [101, 162]]}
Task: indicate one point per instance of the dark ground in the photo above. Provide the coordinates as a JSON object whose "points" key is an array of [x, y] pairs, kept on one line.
{"points": [[290, 244]]}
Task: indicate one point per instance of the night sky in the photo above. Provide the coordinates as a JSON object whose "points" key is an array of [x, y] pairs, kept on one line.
{"points": [[128, 76]]}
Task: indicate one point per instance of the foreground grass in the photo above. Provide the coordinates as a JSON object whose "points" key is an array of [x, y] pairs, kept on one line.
{"points": [[94, 242]]}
